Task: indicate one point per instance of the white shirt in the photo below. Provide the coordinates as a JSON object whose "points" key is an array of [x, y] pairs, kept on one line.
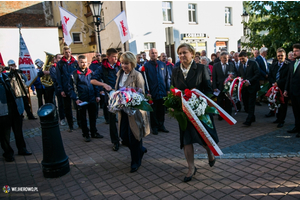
{"points": [[123, 79]]}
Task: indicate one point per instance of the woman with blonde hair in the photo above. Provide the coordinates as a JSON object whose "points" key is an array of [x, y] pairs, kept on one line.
{"points": [[191, 75], [132, 128]]}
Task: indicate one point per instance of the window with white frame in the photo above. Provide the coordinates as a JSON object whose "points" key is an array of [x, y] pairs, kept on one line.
{"points": [[149, 45], [167, 11], [228, 16], [192, 13], [77, 38]]}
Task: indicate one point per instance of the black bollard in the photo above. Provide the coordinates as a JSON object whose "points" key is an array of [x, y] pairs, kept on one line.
{"points": [[55, 161]]}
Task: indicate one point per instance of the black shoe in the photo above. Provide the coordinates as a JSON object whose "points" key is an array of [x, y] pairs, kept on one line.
{"points": [[258, 104], [163, 129], [96, 135], [276, 121], [212, 163], [32, 118], [253, 119], [298, 135], [187, 179], [280, 125], [154, 132], [71, 129], [24, 153], [145, 150], [116, 146], [247, 123], [294, 130], [87, 138], [220, 118], [270, 114], [9, 159], [134, 169]]}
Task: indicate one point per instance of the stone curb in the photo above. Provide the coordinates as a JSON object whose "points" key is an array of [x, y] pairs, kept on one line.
{"points": [[251, 155]]}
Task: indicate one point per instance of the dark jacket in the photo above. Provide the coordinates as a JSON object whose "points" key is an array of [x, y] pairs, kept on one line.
{"points": [[158, 79], [8, 97], [37, 84], [170, 67], [106, 73], [63, 73], [262, 67], [95, 65], [80, 86], [251, 74], [293, 80], [218, 75], [283, 73]]}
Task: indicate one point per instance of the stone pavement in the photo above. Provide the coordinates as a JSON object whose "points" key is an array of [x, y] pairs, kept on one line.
{"points": [[260, 162]]}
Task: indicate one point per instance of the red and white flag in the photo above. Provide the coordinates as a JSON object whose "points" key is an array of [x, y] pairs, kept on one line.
{"points": [[67, 21], [25, 63], [121, 22], [1, 61]]}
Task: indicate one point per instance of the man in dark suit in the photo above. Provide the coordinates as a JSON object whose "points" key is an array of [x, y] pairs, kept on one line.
{"points": [[264, 70], [221, 71], [292, 88], [249, 71], [278, 76]]}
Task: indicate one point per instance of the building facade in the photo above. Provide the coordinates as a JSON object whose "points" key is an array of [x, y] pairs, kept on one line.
{"points": [[206, 25]]}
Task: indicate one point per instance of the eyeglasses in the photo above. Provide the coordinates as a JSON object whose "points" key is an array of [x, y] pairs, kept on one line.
{"points": [[280, 56]]}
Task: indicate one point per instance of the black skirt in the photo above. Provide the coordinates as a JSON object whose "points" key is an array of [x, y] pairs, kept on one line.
{"points": [[191, 135]]}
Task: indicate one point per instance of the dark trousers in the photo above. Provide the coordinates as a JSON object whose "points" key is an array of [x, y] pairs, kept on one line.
{"points": [[40, 93], [238, 105], [296, 108], [12, 121], [91, 109], [68, 111], [105, 109], [136, 147], [49, 93], [27, 107], [224, 102], [111, 118], [282, 110], [249, 104], [60, 106], [157, 117], [113, 131]]}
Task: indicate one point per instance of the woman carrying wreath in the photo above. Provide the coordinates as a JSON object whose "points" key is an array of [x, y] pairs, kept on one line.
{"points": [[190, 75], [132, 128]]}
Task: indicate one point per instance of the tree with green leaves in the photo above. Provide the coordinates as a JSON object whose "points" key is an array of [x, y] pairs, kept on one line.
{"points": [[273, 24]]}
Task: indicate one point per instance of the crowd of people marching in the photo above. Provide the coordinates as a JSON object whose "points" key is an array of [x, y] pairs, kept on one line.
{"points": [[85, 88]]}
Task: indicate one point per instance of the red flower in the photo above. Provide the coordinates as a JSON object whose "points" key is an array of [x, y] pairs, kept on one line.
{"points": [[188, 93], [178, 94], [173, 91], [143, 69], [150, 102], [133, 90]]}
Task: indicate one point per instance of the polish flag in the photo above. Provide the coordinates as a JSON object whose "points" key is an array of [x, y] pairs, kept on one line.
{"points": [[1, 61], [121, 22], [26, 64], [67, 21]]}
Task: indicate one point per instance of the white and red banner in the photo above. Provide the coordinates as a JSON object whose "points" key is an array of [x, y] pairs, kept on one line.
{"points": [[25, 63], [122, 25], [67, 21]]}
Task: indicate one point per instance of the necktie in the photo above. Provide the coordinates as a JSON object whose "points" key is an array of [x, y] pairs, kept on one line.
{"points": [[296, 65], [245, 68], [278, 74], [224, 68]]}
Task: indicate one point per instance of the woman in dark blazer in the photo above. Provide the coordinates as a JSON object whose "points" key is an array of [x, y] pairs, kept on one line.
{"points": [[190, 75]]}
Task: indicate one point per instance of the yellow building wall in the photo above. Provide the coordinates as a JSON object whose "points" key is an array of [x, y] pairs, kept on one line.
{"points": [[79, 9]]}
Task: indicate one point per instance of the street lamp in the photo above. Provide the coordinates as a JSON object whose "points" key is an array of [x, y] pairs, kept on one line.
{"points": [[96, 7], [245, 19]]}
